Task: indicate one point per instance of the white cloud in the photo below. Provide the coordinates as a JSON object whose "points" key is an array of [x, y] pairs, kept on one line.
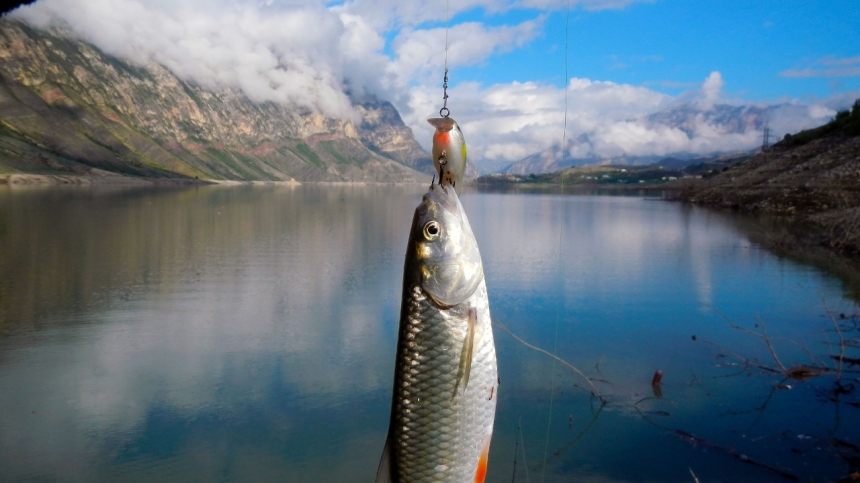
{"points": [[286, 54], [832, 67], [314, 55], [504, 123], [419, 59], [712, 87], [387, 15]]}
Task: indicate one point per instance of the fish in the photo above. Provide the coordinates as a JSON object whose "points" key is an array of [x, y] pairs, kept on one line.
{"points": [[445, 378], [449, 147]]}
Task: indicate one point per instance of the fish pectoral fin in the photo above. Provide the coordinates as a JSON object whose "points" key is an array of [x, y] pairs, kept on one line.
{"points": [[466, 352], [383, 473]]}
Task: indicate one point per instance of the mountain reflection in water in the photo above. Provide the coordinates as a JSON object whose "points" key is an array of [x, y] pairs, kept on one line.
{"points": [[248, 333]]}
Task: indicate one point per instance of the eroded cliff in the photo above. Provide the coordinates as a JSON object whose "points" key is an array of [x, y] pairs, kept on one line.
{"points": [[66, 107]]}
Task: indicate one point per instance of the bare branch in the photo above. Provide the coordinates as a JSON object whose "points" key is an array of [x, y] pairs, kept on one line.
{"points": [[769, 345], [841, 341], [594, 390]]}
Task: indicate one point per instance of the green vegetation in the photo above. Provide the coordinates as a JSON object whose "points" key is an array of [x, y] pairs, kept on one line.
{"points": [[846, 123], [305, 152], [230, 162], [331, 149], [254, 164]]}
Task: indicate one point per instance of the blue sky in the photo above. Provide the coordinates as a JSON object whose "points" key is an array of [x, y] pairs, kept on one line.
{"points": [[679, 42], [627, 59]]}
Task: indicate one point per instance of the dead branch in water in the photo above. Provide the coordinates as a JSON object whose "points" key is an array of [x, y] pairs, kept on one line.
{"points": [[798, 372], [841, 342]]}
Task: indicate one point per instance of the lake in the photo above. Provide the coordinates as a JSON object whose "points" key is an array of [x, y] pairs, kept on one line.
{"points": [[248, 333]]}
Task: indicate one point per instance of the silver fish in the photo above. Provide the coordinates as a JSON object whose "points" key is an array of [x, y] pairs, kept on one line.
{"points": [[449, 146], [445, 378]]}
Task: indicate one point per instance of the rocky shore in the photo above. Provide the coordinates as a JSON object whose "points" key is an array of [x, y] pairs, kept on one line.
{"points": [[814, 183]]}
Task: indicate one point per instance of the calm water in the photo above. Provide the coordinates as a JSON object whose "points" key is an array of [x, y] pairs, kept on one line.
{"points": [[248, 334]]}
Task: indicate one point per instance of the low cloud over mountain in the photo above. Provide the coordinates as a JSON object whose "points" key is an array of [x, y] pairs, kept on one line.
{"points": [[322, 56]]}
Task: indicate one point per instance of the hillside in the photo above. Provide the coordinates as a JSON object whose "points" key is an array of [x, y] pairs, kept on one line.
{"points": [[68, 108], [654, 175], [812, 176]]}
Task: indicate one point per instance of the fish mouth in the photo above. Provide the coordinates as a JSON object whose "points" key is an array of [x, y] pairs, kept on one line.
{"points": [[445, 197]]}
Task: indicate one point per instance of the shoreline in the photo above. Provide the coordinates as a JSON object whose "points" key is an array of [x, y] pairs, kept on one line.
{"points": [[24, 180], [574, 186]]}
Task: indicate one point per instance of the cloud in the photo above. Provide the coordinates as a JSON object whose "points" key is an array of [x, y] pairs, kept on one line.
{"points": [[504, 123], [671, 84], [387, 15], [712, 87], [315, 55], [291, 54], [836, 72], [832, 67], [831, 60], [419, 59]]}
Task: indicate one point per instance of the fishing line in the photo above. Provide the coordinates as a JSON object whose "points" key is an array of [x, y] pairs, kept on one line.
{"points": [[445, 112], [447, 21], [560, 239], [523, 446]]}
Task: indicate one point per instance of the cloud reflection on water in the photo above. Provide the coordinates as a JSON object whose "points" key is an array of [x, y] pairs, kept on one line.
{"points": [[247, 333]]}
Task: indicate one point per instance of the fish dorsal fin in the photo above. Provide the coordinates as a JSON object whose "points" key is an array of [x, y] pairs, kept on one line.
{"points": [[466, 353], [383, 473]]}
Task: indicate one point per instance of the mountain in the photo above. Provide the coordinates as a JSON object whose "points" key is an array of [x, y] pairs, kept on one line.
{"points": [[66, 107], [728, 119], [701, 125]]}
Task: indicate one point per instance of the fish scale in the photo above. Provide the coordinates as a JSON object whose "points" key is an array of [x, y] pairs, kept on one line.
{"points": [[440, 431], [437, 429]]}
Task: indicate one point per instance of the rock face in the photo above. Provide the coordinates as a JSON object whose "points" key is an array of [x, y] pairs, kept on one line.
{"points": [[66, 107]]}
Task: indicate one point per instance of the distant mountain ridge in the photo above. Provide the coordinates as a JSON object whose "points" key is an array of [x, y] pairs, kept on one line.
{"points": [[66, 107], [748, 120]]}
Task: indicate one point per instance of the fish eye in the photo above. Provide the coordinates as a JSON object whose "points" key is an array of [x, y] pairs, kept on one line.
{"points": [[432, 230]]}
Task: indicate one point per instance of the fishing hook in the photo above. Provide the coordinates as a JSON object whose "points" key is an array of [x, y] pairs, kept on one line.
{"points": [[443, 160]]}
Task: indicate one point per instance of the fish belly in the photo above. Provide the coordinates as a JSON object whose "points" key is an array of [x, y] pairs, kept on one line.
{"points": [[439, 431]]}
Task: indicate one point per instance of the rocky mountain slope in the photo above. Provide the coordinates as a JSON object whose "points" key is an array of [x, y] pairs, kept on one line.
{"points": [[67, 108], [812, 176]]}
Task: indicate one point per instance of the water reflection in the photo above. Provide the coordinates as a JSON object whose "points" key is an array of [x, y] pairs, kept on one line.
{"points": [[247, 334]]}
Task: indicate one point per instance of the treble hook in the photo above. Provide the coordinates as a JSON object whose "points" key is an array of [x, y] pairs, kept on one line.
{"points": [[443, 160]]}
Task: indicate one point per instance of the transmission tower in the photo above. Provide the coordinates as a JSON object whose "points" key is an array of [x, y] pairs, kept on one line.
{"points": [[765, 137]]}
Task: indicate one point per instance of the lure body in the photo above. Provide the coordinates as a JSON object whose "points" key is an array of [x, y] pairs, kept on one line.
{"points": [[449, 151]]}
